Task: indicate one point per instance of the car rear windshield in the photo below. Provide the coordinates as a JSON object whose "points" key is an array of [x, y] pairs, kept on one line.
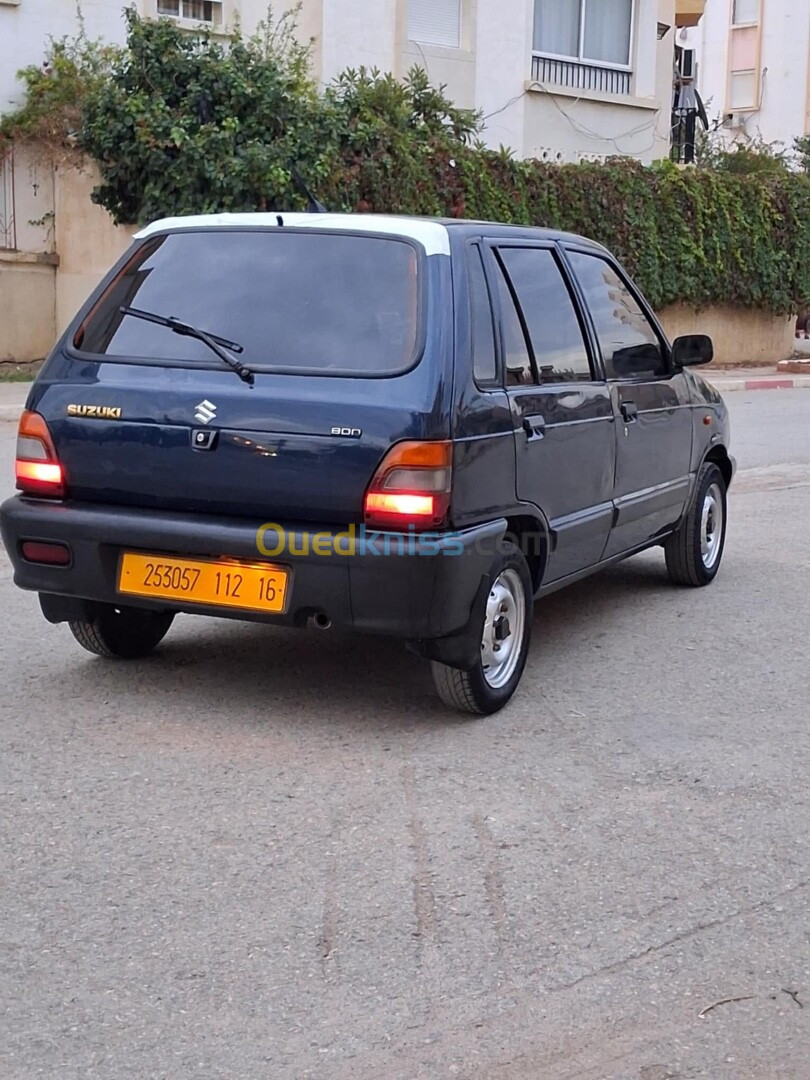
{"points": [[296, 301]]}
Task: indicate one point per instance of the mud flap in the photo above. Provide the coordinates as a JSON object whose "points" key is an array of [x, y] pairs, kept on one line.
{"points": [[460, 650]]}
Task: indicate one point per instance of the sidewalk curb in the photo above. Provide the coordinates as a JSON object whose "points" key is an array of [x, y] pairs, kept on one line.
{"points": [[770, 382]]}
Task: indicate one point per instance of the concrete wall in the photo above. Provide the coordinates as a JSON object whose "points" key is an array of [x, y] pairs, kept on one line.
{"points": [[87, 241], [741, 336], [357, 33], [37, 300], [27, 306]]}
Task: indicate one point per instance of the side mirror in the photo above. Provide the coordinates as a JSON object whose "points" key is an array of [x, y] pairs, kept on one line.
{"points": [[692, 350]]}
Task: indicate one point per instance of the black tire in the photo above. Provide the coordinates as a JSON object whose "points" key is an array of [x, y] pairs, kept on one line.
{"points": [[687, 564], [122, 633], [473, 691]]}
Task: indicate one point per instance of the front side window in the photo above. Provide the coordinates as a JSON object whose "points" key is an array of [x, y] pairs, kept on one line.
{"points": [[591, 30], [296, 300], [631, 349], [554, 329]]}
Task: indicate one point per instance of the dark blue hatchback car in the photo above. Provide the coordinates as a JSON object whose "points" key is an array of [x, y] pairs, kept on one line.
{"points": [[400, 426]]}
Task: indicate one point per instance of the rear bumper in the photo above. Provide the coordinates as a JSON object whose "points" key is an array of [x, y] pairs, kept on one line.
{"points": [[422, 588]]}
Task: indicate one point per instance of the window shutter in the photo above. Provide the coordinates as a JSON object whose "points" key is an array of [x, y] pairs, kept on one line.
{"points": [[435, 22]]}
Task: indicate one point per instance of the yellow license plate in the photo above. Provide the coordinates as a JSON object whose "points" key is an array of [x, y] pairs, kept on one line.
{"points": [[220, 582]]}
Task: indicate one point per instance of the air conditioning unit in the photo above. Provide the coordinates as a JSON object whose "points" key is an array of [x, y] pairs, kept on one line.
{"points": [[734, 121], [688, 64]]}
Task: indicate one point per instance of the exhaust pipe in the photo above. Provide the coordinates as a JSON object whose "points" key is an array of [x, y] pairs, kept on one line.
{"points": [[319, 621]]}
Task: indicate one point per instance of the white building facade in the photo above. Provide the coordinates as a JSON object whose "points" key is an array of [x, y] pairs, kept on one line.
{"points": [[564, 80], [753, 68]]}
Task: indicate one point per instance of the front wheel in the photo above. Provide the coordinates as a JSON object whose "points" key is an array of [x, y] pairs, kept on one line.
{"points": [[122, 633], [694, 552], [505, 634]]}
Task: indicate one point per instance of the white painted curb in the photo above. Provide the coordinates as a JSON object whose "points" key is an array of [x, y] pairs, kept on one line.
{"points": [[768, 382]]}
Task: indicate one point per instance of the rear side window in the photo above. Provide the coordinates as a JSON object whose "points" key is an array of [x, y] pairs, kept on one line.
{"points": [[482, 331], [548, 310], [298, 301], [630, 346], [517, 360]]}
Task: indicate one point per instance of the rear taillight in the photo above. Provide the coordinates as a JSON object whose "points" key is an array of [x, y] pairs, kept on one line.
{"points": [[411, 488], [37, 466]]}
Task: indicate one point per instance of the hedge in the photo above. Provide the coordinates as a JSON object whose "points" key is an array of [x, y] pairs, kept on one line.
{"points": [[180, 124], [689, 236]]}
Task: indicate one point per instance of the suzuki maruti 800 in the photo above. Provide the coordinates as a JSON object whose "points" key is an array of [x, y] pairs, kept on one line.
{"points": [[393, 425]]}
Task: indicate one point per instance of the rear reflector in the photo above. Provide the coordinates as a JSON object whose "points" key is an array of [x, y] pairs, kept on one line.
{"points": [[37, 551]]}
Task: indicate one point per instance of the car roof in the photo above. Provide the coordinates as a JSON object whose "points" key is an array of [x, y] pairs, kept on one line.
{"points": [[432, 233], [499, 230]]}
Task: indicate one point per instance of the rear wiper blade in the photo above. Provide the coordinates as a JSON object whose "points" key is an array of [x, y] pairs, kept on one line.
{"points": [[217, 345]]}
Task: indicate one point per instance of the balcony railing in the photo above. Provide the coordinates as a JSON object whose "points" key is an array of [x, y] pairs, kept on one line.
{"points": [[577, 76], [8, 229]]}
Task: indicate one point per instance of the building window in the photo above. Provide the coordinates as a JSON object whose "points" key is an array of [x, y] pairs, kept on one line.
{"points": [[201, 11], [588, 31], [744, 56], [435, 22], [745, 12]]}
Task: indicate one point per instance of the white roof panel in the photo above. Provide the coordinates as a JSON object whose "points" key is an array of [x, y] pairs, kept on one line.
{"points": [[432, 235]]}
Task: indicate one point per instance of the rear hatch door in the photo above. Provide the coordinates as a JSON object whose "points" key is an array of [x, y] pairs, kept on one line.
{"points": [[332, 325]]}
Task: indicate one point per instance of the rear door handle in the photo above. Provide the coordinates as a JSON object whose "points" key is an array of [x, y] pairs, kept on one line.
{"points": [[534, 426], [629, 411]]}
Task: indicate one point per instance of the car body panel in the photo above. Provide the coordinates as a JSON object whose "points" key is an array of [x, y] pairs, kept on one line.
{"points": [[653, 456]]}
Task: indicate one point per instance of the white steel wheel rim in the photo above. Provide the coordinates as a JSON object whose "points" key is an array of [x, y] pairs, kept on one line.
{"points": [[504, 625], [711, 526]]}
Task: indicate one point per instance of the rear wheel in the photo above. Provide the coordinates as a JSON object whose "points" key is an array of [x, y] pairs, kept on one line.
{"points": [[694, 552], [504, 642], [123, 633]]}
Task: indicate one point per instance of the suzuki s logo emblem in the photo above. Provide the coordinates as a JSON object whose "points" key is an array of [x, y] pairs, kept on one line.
{"points": [[206, 412]]}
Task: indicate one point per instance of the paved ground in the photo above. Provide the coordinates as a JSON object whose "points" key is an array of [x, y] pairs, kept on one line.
{"points": [[265, 854]]}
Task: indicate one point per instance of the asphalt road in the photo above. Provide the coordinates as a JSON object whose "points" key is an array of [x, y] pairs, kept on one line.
{"points": [[268, 854]]}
